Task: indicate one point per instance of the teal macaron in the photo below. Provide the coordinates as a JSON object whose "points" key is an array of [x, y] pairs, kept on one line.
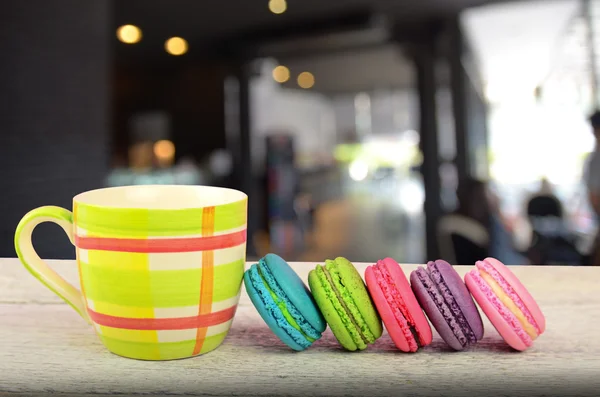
{"points": [[284, 302]]}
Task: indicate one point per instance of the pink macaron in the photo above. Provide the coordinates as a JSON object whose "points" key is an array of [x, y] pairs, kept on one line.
{"points": [[397, 305], [506, 302]]}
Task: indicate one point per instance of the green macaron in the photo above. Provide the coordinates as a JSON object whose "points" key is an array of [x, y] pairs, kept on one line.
{"points": [[342, 297]]}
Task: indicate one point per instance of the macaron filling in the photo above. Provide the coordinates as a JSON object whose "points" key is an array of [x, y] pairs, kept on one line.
{"points": [[398, 306], [509, 297], [506, 314], [280, 314], [344, 305], [440, 293]]}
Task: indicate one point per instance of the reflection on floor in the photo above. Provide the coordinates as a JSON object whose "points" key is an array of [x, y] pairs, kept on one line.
{"points": [[364, 230], [368, 220]]}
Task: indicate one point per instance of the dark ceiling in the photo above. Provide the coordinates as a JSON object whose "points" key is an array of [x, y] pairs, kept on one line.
{"points": [[221, 24]]}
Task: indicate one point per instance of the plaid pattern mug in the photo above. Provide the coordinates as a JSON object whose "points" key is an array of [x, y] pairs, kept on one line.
{"points": [[160, 266]]}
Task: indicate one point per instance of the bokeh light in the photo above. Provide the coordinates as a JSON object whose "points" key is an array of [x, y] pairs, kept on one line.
{"points": [[129, 34], [176, 46], [306, 80], [277, 6], [164, 150], [281, 74]]}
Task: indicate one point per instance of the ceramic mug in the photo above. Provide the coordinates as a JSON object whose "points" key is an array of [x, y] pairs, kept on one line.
{"points": [[160, 267]]}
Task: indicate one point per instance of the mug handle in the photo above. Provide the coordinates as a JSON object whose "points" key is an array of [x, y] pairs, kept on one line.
{"points": [[36, 266]]}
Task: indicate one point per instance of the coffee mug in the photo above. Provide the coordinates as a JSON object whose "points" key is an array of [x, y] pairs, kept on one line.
{"points": [[160, 266]]}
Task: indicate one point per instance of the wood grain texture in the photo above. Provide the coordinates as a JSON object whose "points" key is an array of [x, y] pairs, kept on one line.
{"points": [[46, 348]]}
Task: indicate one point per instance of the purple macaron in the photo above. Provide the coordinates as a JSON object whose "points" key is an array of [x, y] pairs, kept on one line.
{"points": [[445, 299]]}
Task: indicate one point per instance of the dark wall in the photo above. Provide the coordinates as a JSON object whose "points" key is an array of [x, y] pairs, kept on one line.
{"points": [[54, 118]]}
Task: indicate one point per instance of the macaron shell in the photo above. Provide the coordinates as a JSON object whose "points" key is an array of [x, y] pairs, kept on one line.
{"points": [[520, 289], [358, 291], [385, 311], [262, 309], [331, 315], [421, 324], [435, 316], [461, 295], [296, 291], [503, 328]]}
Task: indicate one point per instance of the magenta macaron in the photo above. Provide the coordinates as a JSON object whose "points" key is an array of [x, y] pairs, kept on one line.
{"points": [[448, 304]]}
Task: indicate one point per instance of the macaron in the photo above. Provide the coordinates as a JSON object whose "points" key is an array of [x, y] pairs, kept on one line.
{"points": [[506, 302], [341, 295], [447, 302], [284, 302], [397, 305]]}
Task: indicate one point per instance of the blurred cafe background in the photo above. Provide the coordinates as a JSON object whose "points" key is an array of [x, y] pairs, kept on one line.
{"points": [[358, 128]]}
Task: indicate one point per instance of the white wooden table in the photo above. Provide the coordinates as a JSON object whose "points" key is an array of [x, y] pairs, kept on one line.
{"points": [[45, 347]]}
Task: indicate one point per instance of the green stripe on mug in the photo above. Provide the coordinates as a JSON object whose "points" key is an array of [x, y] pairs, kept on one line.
{"points": [[140, 223]]}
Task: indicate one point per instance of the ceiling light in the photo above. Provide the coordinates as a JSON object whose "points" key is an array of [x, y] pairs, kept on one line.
{"points": [[306, 80], [281, 74], [277, 6], [176, 46], [129, 34]]}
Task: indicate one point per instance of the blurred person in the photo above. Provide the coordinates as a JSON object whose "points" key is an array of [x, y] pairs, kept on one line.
{"points": [[286, 227], [592, 182], [544, 202], [305, 209], [477, 202], [551, 243], [544, 212], [283, 188]]}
